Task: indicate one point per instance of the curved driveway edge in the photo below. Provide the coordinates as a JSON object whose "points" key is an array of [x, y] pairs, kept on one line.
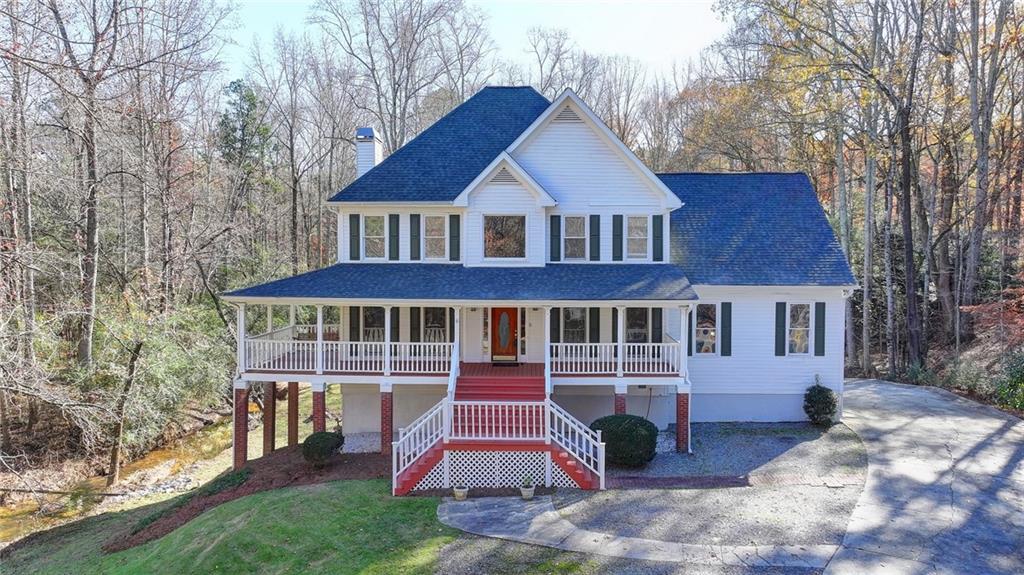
{"points": [[945, 485]]}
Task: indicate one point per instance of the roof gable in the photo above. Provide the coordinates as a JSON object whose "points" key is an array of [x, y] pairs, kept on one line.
{"points": [[505, 170], [438, 164], [754, 229]]}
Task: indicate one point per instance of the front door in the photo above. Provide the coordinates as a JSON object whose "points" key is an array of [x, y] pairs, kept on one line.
{"points": [[504, 333]]}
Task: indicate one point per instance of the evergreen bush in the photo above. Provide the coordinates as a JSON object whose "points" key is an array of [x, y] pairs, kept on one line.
{"points": [[630, 440]]}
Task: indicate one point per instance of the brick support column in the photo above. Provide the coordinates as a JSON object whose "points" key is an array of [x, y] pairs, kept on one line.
{"points": [[293, 413], [269, 416], [620, 403], [240, 441], [386, 422], [683, 422], [319, 410]]}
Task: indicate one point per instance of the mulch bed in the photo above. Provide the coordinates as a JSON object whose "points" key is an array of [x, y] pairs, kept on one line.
{"points": [[283, 468]]}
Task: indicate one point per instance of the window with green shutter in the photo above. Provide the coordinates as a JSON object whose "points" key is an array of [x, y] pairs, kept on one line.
{"points": [[617, 238], [555, 224], [595, 238], [414, 237]]}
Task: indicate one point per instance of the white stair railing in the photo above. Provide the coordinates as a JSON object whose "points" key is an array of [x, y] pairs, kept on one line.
{"points": [[497, 420], [576, 438], [416, 440]]}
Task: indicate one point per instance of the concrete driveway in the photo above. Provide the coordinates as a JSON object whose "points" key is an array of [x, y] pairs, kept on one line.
{"points": [[945, 485]]}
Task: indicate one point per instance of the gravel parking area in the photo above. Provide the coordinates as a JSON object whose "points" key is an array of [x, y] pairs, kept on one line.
{"points": [[799, 484]]}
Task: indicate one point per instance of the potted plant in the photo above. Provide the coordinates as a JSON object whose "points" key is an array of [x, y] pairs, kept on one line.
{"points": [[461, 491], [526, 489]]}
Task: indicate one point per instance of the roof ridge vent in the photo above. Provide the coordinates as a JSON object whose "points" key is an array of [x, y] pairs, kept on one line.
{"points": [[504, 177], [567, 114]]}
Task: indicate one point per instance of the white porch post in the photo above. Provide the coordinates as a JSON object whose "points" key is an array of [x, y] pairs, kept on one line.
{"points": [[684, 340], [319, 339], [270, 318], [547, 348], [291, 315], [387, 340], [240, 329], [621, 335], [457, 333]]}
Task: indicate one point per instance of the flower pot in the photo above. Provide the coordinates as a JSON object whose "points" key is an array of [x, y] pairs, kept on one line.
{"points": [[460, 493], [527, 492]]}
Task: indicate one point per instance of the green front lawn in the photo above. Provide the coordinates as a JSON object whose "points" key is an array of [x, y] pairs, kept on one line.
{"points": [[337, 527]]}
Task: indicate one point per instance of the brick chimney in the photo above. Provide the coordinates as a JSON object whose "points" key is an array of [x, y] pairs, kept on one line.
{"points": [[369, 150]]}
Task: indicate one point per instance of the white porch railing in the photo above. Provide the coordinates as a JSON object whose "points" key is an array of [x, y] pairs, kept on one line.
{"points": [[354, 356], [582, 442], [498, 420], [421, 357], [651, 358], [417, 439], [583, 358], [278, 355]]}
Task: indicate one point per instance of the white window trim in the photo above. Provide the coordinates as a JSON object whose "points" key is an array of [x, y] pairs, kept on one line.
{"points": [[625, 238], [483, 240], [423, 237], [718, 330], [586, 238], [810, 328], [362, 238], [586, 323]]}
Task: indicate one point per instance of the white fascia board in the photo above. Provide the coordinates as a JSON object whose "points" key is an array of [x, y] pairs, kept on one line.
{"points": [[671, 201], [336, 205], [506, 160], [452, 303]]}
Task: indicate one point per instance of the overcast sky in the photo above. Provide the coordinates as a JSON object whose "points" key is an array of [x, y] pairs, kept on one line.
{"points": [[657, 32]]}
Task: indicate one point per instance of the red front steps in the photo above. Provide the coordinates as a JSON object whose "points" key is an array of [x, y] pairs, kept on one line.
{"points": [[409, 478], [498, 388]]}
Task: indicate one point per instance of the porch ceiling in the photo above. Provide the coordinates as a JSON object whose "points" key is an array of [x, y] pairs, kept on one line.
{"points": [[457, 283]]}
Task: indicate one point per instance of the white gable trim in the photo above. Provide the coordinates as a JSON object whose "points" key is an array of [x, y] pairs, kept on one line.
{"points": [[670, 200], [504, 160]]}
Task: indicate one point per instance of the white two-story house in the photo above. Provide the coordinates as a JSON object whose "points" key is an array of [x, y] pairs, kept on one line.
{"points": [[515, 272]]}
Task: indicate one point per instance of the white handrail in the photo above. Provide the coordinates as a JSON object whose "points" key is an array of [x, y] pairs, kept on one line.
{"points": [[583, 358], [651, 358], [416, 440], [453, 371], [579, 440], [498, 420]]}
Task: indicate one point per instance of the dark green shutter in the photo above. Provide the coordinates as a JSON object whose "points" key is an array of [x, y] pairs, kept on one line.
{"points": [[617, 238], [659, 244], [819, 328], [414, 324], [353, 323], [615, 325], [689, 333], [556, 323], [454, 229], [556, 238], [656, 325], [594, 325], [725, 328], [451, 323], [353, 236], [392, 237], [414, 237], [780, 328], [394, 325], [595, 238]]}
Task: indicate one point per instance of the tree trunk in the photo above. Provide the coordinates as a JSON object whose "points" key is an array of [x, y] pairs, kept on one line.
{"points": [[90, 259], [114, 472], [915, 355]]}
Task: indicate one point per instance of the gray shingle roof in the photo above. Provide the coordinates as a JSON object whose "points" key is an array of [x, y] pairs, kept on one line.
{"points": [[439, 163], [754, 229], [449, 282]]}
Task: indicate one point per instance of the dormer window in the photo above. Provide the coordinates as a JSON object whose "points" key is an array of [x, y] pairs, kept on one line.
{"points": [[373, 237], [505, 237], [434, 240], [636, 237], [575, 238]]}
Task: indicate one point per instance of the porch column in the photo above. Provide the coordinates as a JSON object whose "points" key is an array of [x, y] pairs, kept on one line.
{"points": [[387, 341], [291, 315], [269, 416], [620, 341], [319, 407], [319, 339], [547, 341], [240, 424], [620, 398], [386, 418], [293, 413], [684, 341], [240, 330], [682, 421], [270, 318]]}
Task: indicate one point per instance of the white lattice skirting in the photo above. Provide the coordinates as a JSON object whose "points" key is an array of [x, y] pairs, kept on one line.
{"points": [[495, 469]]}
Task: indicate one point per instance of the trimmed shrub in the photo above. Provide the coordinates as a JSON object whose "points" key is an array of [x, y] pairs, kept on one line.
{"points": [[630, 440], [1010, 391], [318, 447], [820, 404], [968, 377]]}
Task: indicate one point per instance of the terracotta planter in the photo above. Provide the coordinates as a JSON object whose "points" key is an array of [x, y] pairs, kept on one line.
{"points": [[460, 493]]}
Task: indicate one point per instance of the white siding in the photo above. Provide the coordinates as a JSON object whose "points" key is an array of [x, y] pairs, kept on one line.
{"points": [[404, 237], [503, 199]]}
